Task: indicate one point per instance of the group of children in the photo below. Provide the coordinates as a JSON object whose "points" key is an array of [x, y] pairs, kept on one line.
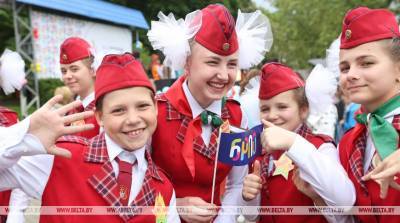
{"points": [[149, 150]]}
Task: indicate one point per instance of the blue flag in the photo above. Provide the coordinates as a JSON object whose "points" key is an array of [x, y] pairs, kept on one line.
{"points": [[238, 149]]}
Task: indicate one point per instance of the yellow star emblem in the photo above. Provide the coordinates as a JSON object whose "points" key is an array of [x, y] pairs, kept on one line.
{"points": [[283, 166]]}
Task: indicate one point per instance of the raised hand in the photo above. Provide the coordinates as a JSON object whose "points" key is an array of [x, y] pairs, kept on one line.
{"points": [[48, 124], [252, 183], [276, 138]]}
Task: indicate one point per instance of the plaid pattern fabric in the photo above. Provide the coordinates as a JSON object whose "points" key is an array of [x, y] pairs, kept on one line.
{"points": [[72, 138], [172, 114], [146, 196], [357, 157], [265, 173], [396, 122], [105, 182], [198, 144], [91, 106], [4, 121], [304, 131]]}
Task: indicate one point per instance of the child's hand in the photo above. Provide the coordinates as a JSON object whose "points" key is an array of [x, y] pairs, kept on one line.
{"points": [[48, 124], [276, 138], [252, 183], [303, 186], [196, 210], [384, 173]]}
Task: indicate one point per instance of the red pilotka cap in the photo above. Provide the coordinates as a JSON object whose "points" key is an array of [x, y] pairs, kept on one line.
{"points": [[277, 78], [362, 25], [74, 49], [119, 71], [217, 32]]}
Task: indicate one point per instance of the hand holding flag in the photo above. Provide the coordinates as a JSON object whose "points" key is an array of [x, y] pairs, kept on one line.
{"points": [[276, 138], [196, 209], [252, 183]]}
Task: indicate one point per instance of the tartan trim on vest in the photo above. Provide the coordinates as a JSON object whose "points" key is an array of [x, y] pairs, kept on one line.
{"points": [[304, 131], [198, 144], [4, 121], [356, 160], [73, 139], [97, 150], [105, 182], [97, 153], [172, 114]]}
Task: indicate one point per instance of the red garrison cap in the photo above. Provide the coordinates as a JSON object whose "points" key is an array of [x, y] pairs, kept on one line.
{"points": [[362, 25], [217, 32], [277, 78], [74, 49], [119, 71]]}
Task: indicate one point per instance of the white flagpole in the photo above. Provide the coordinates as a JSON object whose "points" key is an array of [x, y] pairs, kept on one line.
{"points": [[215, 165]]}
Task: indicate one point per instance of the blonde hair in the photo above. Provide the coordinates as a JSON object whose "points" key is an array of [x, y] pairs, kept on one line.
{"points": [[64, 91]]}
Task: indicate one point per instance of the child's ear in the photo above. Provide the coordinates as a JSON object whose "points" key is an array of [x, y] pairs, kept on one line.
{"points": [[92, 72], [99, 114], [304, 112], [188, 64]]}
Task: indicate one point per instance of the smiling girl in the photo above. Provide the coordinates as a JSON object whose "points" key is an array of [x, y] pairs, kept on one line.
{"points": [[190, 113]]}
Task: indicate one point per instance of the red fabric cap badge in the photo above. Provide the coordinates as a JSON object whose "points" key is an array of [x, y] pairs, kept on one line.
{"points": [[217, 32], [362, 25], [277, 78], [118, 71]]}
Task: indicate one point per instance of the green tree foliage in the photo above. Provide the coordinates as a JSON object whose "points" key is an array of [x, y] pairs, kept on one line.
{"points": [[303, 29], [7, 39]]}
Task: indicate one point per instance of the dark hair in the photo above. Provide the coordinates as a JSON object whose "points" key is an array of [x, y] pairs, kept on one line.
{"points": [[247, 77]]}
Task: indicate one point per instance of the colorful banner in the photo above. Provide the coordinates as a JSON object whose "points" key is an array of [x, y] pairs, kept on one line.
{"points": [[238, 149]]}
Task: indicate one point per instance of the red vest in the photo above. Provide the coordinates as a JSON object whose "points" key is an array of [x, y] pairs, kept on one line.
{"points": [[89, 120], [168, 141], [371, 196], [7, 118], [87, 179], [277, 191]]}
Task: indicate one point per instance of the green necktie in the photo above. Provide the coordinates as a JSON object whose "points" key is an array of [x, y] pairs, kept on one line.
{"points": [[383, 134], [208, 117]]}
